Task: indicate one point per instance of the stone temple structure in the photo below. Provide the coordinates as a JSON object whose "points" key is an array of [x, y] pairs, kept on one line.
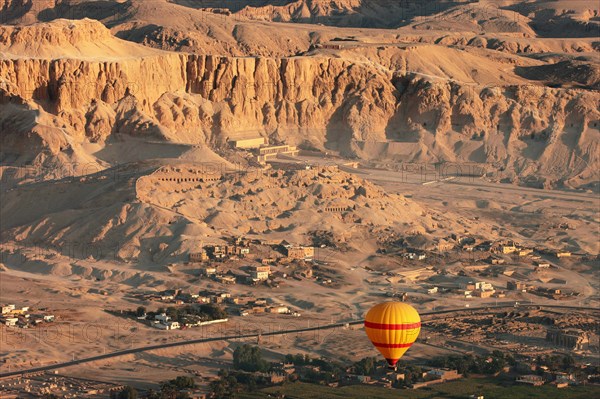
{"points": [[571, 338]]}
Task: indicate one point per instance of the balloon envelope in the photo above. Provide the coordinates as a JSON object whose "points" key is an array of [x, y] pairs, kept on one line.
{"points": [[392, 327]]}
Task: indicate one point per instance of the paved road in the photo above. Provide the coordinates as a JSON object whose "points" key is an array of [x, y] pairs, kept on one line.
{"points": [[266, 334], [418, 177], [388, 176]]}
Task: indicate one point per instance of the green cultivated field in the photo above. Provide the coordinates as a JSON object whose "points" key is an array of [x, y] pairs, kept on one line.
{"points": [[490, 388]]}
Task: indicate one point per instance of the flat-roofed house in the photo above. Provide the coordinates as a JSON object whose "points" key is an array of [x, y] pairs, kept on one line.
{"points": [[295, 253], [260, 272], [278, 309]]}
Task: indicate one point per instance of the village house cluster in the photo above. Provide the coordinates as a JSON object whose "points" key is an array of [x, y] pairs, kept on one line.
{"points": [[454, 244], [556, 378], [245, 305], [470, 267], [428, 376], [23, 317], [318, 374], [521, 369], [194, 314], [548, 333], [240, 247], [50, 385], [223, 263]]}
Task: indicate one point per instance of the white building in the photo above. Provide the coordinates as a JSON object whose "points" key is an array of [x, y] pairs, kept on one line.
{"points": [[11, 321], [173, 325], [484, 286], [260, 272], [163, 318], [208, 271], [278, 309], [170, 325], [7, 309]]}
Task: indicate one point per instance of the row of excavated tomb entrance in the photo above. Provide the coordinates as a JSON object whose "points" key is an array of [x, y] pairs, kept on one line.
{"points": [[190, 179]]}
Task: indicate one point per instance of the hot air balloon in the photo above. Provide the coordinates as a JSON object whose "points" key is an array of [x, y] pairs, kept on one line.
{"points": [[392, 327]]}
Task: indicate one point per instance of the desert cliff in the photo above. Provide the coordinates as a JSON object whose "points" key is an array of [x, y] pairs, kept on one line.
{"points": [[318, 100]]}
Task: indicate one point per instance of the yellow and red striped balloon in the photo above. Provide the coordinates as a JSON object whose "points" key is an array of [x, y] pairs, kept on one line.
{"points": [[392, 327]]}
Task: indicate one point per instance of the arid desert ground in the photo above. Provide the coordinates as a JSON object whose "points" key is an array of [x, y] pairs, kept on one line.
{"points": [[292, 163]]}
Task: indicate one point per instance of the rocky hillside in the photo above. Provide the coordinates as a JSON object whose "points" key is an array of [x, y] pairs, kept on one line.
{"points": [[58, 95], [576, 17], [134, 214], [287, 28]]}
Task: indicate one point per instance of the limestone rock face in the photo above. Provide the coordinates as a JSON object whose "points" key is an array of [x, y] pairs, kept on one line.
{"points": [[347, 104]]}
